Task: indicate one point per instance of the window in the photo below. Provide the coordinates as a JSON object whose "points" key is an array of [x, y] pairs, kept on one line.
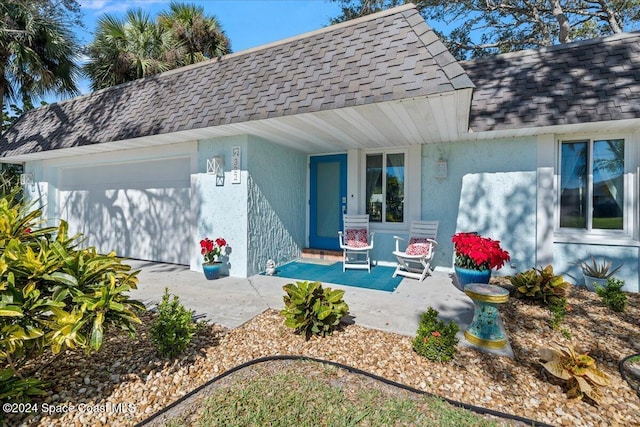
{"points": [[385, 187], [592, 184]]}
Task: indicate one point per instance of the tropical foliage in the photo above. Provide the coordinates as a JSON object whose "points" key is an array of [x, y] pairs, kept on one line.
{"points": [[311, 309], [601, 270], [579, 370], [541, 286], [37, 51], [139, 46], [200, 36], [473, 28], [475, 252], [53, 294]]}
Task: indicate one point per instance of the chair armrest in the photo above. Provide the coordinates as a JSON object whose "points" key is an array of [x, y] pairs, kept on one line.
{"points": [[398, 238], [341, 239]]}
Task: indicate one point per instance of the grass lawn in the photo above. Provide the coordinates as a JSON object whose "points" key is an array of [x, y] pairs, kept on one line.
{"points": [[311, 394]]}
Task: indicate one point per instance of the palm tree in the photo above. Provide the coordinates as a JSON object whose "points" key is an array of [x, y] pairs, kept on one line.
{"points": [[36, 54], [201, 35], [129, 49]]}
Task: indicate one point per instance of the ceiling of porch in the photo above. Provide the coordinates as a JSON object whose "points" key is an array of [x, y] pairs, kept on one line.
{"points": [[423, 120]]}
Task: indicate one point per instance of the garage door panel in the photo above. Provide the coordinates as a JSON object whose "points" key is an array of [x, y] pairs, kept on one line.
{"points": [[138, 219]]}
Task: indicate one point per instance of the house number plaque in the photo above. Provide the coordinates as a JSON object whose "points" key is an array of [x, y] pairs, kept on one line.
{"points": [[235, 165]]}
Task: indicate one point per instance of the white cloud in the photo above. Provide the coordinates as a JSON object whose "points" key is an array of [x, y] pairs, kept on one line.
{"points": [[111, 6]]}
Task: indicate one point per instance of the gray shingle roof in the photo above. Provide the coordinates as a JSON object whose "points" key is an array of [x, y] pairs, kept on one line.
{"points": [[589, 81], [388, 56]]}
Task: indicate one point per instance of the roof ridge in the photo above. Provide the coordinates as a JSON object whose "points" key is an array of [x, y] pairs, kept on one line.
{"points": [[562, 46], [356, 21]]}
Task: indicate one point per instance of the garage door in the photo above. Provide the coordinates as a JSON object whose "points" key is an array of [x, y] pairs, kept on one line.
{"points": [[139, 209]]}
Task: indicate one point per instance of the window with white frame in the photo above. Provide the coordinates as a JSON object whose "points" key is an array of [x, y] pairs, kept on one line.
{"points": [[385, 187], [592, 184]]}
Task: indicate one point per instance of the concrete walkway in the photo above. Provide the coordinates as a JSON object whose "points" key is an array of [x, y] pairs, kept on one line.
{"points": [[230, 301]]}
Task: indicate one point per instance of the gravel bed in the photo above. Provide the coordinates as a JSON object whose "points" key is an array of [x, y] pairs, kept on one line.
{"points": [[127, 380]]}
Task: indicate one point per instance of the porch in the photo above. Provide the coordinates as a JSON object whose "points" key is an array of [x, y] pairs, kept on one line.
{"points": [[232, 301]]}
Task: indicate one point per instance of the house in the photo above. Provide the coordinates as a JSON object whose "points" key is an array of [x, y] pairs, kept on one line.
{"points": [[267, 147]]}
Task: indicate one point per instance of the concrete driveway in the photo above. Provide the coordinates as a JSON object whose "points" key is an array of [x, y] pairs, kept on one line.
{"points": [[231, 301]]}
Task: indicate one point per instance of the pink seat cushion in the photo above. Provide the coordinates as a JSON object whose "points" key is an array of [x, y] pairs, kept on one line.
{"points": [[418, 246], [357, 238]]}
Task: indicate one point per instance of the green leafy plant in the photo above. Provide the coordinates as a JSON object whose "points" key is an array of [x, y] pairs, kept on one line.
{"points": [[612, 294], [601, 269], [174, 328], [558, 309], [311, 309], [53, 295], [579, 370], [540, 285], [435, 340]]}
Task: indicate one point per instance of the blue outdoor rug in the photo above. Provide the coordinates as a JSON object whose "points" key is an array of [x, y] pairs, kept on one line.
{"points": [[379, 279]]}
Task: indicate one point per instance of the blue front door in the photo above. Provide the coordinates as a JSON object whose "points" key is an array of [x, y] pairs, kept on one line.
{"points": [[328, 200]]}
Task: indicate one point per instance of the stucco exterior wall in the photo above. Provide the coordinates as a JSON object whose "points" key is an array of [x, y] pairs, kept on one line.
{"points": [[262, 217], [40, 191], [566, 255], [276, 198], [490, 188], [221, 210]]}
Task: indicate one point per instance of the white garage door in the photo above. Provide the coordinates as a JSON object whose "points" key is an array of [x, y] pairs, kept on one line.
{"points": [[140, 209]]}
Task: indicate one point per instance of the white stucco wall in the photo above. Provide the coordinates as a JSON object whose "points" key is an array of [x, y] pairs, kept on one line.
{"points": [[262, 217], [490, 188], [40, 191], [276, 198], [221, 211]]}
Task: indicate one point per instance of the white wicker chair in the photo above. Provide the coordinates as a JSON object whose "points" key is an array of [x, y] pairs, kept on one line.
{"points": [[415, 260]]}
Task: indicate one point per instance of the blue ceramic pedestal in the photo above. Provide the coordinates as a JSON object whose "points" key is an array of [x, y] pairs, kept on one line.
{"points": [[212, 271], [486, 330]]}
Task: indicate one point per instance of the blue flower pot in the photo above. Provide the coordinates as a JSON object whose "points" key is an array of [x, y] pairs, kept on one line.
{"points": [[467, 275], [212, 271]]}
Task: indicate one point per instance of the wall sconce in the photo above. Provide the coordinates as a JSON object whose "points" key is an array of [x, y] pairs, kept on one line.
{"points": [[215, 166], [441, 169]]}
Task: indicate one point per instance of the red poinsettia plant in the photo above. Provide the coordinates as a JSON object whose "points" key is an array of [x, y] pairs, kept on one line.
{"points": [[211, 249], [478, 253]]}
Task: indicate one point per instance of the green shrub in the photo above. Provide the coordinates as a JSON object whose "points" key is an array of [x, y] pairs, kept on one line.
{"points": [[53, 296], [174, 328], [435, 340], [612, 295], [558, 309], [540, 285], [313, 310]]}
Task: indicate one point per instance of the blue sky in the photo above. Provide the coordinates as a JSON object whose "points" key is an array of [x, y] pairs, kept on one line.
{"points": [[247, 23]]}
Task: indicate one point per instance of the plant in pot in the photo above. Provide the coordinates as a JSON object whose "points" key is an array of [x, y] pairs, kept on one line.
{"points": [[211, 251], [476, 256], [597, 272]]}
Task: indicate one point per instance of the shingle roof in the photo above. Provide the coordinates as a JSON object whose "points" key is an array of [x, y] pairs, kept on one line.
{"points": [[387, 56], [589, 81]]}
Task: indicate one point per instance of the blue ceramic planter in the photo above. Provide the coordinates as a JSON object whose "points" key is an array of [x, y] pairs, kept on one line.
{"points": [[466, 276], [212, 271]]}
